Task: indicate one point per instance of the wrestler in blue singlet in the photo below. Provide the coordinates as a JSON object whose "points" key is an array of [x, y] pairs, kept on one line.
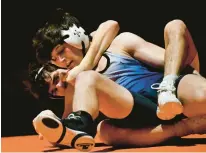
{"points": [[137, 77]]}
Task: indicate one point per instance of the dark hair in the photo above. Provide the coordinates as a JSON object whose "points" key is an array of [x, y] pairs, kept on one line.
{"points": [[39, 88], [48, 36], [37, 76]]}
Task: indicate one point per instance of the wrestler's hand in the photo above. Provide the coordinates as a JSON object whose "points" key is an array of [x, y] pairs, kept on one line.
{"points": [[72, 74], [62, 73]]}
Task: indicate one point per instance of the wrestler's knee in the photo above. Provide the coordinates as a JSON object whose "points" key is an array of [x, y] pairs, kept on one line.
{"points": [[86, 78], [197, 106], [200, 95], [176, 27], [105, 131]]}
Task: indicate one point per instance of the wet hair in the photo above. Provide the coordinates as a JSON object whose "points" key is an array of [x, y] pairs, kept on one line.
{"points": [[38, 74], [48, 36]]}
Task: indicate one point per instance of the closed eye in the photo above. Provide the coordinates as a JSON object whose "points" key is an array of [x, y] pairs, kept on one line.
{"points": [[60, 52], [53, 59], [55, 79]]}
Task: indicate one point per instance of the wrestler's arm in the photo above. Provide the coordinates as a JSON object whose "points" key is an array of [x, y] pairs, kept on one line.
{"points": [[102, 38], [141, 49]]}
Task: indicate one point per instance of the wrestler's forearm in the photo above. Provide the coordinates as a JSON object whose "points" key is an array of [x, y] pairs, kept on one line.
{"points": [[103, 37]]}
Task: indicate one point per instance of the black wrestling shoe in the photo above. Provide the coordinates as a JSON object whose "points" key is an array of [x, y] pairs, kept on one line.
{"points": [[69, 132], [81, 121]]}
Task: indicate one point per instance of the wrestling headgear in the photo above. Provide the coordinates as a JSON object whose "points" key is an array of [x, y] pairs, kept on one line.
{"points": [[76, 37]]}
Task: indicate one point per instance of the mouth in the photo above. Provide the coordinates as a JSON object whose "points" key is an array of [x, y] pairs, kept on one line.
{"points": [[69, 64]]}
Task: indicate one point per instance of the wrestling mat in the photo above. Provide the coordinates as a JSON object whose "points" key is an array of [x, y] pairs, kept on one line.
{"points": [[191, 143]]}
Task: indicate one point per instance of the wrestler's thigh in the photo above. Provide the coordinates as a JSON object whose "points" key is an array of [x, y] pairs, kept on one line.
{"points": [[192, 93], [110, 98]]}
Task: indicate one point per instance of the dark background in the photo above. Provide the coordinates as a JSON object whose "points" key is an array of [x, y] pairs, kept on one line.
{"points": [[20, 20]]}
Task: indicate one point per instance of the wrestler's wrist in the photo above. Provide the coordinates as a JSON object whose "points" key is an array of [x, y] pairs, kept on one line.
{"points": [[85, 66]]}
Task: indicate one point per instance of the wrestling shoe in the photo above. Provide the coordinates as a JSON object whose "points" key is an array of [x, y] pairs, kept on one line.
{"points": [[169, 105], [68, 132]]}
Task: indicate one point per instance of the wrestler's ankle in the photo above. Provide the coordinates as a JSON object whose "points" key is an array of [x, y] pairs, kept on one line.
{"points": [[170, 77], [84, 122]]}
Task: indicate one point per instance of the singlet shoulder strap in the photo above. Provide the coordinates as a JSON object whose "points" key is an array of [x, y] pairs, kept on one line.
{"points": [[107, 66]]}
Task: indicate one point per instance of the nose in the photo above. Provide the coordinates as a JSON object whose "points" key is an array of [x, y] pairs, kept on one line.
{"points": [[59, 85], [60, 89], [61, 59]]}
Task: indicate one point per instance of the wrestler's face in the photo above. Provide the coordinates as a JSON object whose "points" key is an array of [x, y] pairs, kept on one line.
{"points": [[66, 56], [57, 85]]}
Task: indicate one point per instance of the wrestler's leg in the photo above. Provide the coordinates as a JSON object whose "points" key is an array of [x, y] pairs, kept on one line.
{"points": [[180, 52], [113, 135], [180, 48], [93, 92]]}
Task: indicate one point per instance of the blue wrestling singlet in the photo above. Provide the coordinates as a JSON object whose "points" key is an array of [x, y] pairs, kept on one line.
{"points": [[133, 75]]}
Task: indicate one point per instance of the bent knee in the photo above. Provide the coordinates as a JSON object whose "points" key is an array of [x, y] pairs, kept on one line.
{"points": [[176, 26], [197, 105], [109, 134], [200, 95], [87, 77], [104, 130]]}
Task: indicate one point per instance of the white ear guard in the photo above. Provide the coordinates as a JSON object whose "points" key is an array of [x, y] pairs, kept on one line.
{"points": [[75, 37]]}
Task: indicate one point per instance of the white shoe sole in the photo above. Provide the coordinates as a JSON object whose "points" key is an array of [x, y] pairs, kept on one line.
{"points": [[169, 110], [53, 130]]}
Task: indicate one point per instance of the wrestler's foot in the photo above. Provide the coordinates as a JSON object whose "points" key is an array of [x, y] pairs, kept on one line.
{"points": [[169, 105], [66, 132]]}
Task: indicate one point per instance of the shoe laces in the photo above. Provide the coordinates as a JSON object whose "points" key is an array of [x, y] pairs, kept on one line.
{"points": [[164, 86], [72, 121], [73, 117]]}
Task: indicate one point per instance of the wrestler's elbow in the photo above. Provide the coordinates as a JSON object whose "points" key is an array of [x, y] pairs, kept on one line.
{"points": [[110, 25]]}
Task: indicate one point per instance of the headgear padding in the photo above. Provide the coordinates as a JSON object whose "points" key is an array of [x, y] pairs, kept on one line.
{"points": [[75, 37]]}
